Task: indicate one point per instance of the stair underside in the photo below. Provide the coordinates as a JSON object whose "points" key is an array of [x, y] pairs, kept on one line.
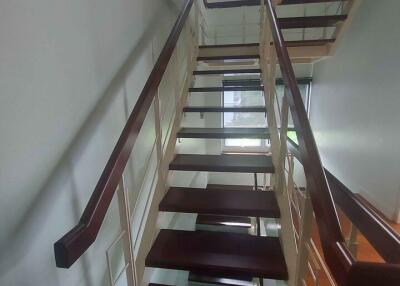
{"points": [[297, 43], [228, 281], [230, 187], [221, 202], [240, 3], [223, 220], [218, 254], [223, 163], [310, 21], [223, 133], [224, 109], [227, 71], [228, 57]]}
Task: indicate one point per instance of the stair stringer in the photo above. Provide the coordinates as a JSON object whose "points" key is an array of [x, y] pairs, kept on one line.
{"points": [[151, 228], [286, 234]]}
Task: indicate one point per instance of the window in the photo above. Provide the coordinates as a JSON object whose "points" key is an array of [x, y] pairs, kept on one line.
{"points": [[253, 119]]}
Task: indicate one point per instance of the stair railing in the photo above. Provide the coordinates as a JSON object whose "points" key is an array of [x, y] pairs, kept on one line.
{"points": [[172, 65], [342, 265]]}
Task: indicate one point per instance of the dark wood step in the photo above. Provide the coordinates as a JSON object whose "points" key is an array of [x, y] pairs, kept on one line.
{"points": [[223, 220], [240, 3], [241, 82], [299, 43], [230, 187], [218, 254], [310, 21], [227, 281], [228, 57], [233, 202], [240, 45], [226, 88], [223, 133], [224, 109], [227, 71], [309, 43], [223, 163]]}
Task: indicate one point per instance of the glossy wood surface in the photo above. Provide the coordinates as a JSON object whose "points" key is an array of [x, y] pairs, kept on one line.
{"points": [[228, 201], [73, 244], [223, 163], [218, 254]]}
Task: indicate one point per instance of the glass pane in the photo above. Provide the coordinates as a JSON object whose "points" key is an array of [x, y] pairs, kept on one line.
{"points": [[243, 98], [292, 135], [243, 119], [304, 95]]}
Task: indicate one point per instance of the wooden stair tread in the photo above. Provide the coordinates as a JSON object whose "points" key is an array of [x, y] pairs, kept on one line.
{"points": [[240, 3], [297, 43], [240, 45], [224, 109], [230, 187], [228, 281], [224, 220], [223, 133], [228, 57], [310, 21], [226, 71], [218, 254], [221, 202], [226, 88], [308, 43], [223, 163]]}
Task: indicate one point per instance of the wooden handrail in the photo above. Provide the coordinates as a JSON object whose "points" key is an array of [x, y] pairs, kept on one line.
{"points": [[376, 230], [337, 257], [73, 244]]}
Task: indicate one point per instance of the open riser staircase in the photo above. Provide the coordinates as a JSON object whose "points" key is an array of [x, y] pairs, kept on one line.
{"points": [[231, 243]]}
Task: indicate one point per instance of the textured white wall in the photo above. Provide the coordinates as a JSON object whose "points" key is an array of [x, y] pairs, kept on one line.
{"points": [[60, 116], [355, 106]]}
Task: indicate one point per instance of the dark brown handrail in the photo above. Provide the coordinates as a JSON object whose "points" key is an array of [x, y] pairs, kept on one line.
{"points": [[341, 263], [378, 232], [73, 244], [336, 254]]}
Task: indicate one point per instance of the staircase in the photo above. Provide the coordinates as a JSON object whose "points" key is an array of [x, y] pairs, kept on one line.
{"points": [[221, 246], [229, 245]]}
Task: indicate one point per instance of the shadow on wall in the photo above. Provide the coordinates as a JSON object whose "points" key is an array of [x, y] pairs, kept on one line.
{"points": [[60, 204]]}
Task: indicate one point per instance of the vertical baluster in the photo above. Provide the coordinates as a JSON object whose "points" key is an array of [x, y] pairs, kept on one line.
{"points": [[262, 30], [124, 216], [305, 236], [196, 21], [283, 138], [159, 147], [243, 24], [351, 240]]}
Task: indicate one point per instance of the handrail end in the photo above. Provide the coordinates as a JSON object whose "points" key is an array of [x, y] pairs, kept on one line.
{"points": [[71, 246]]}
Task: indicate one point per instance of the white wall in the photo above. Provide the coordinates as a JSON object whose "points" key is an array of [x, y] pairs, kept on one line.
{"points": [[355, 106], [60, 116]]}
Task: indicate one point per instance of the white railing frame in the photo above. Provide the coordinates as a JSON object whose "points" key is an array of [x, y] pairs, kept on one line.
{"points": [[134, 265]]}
